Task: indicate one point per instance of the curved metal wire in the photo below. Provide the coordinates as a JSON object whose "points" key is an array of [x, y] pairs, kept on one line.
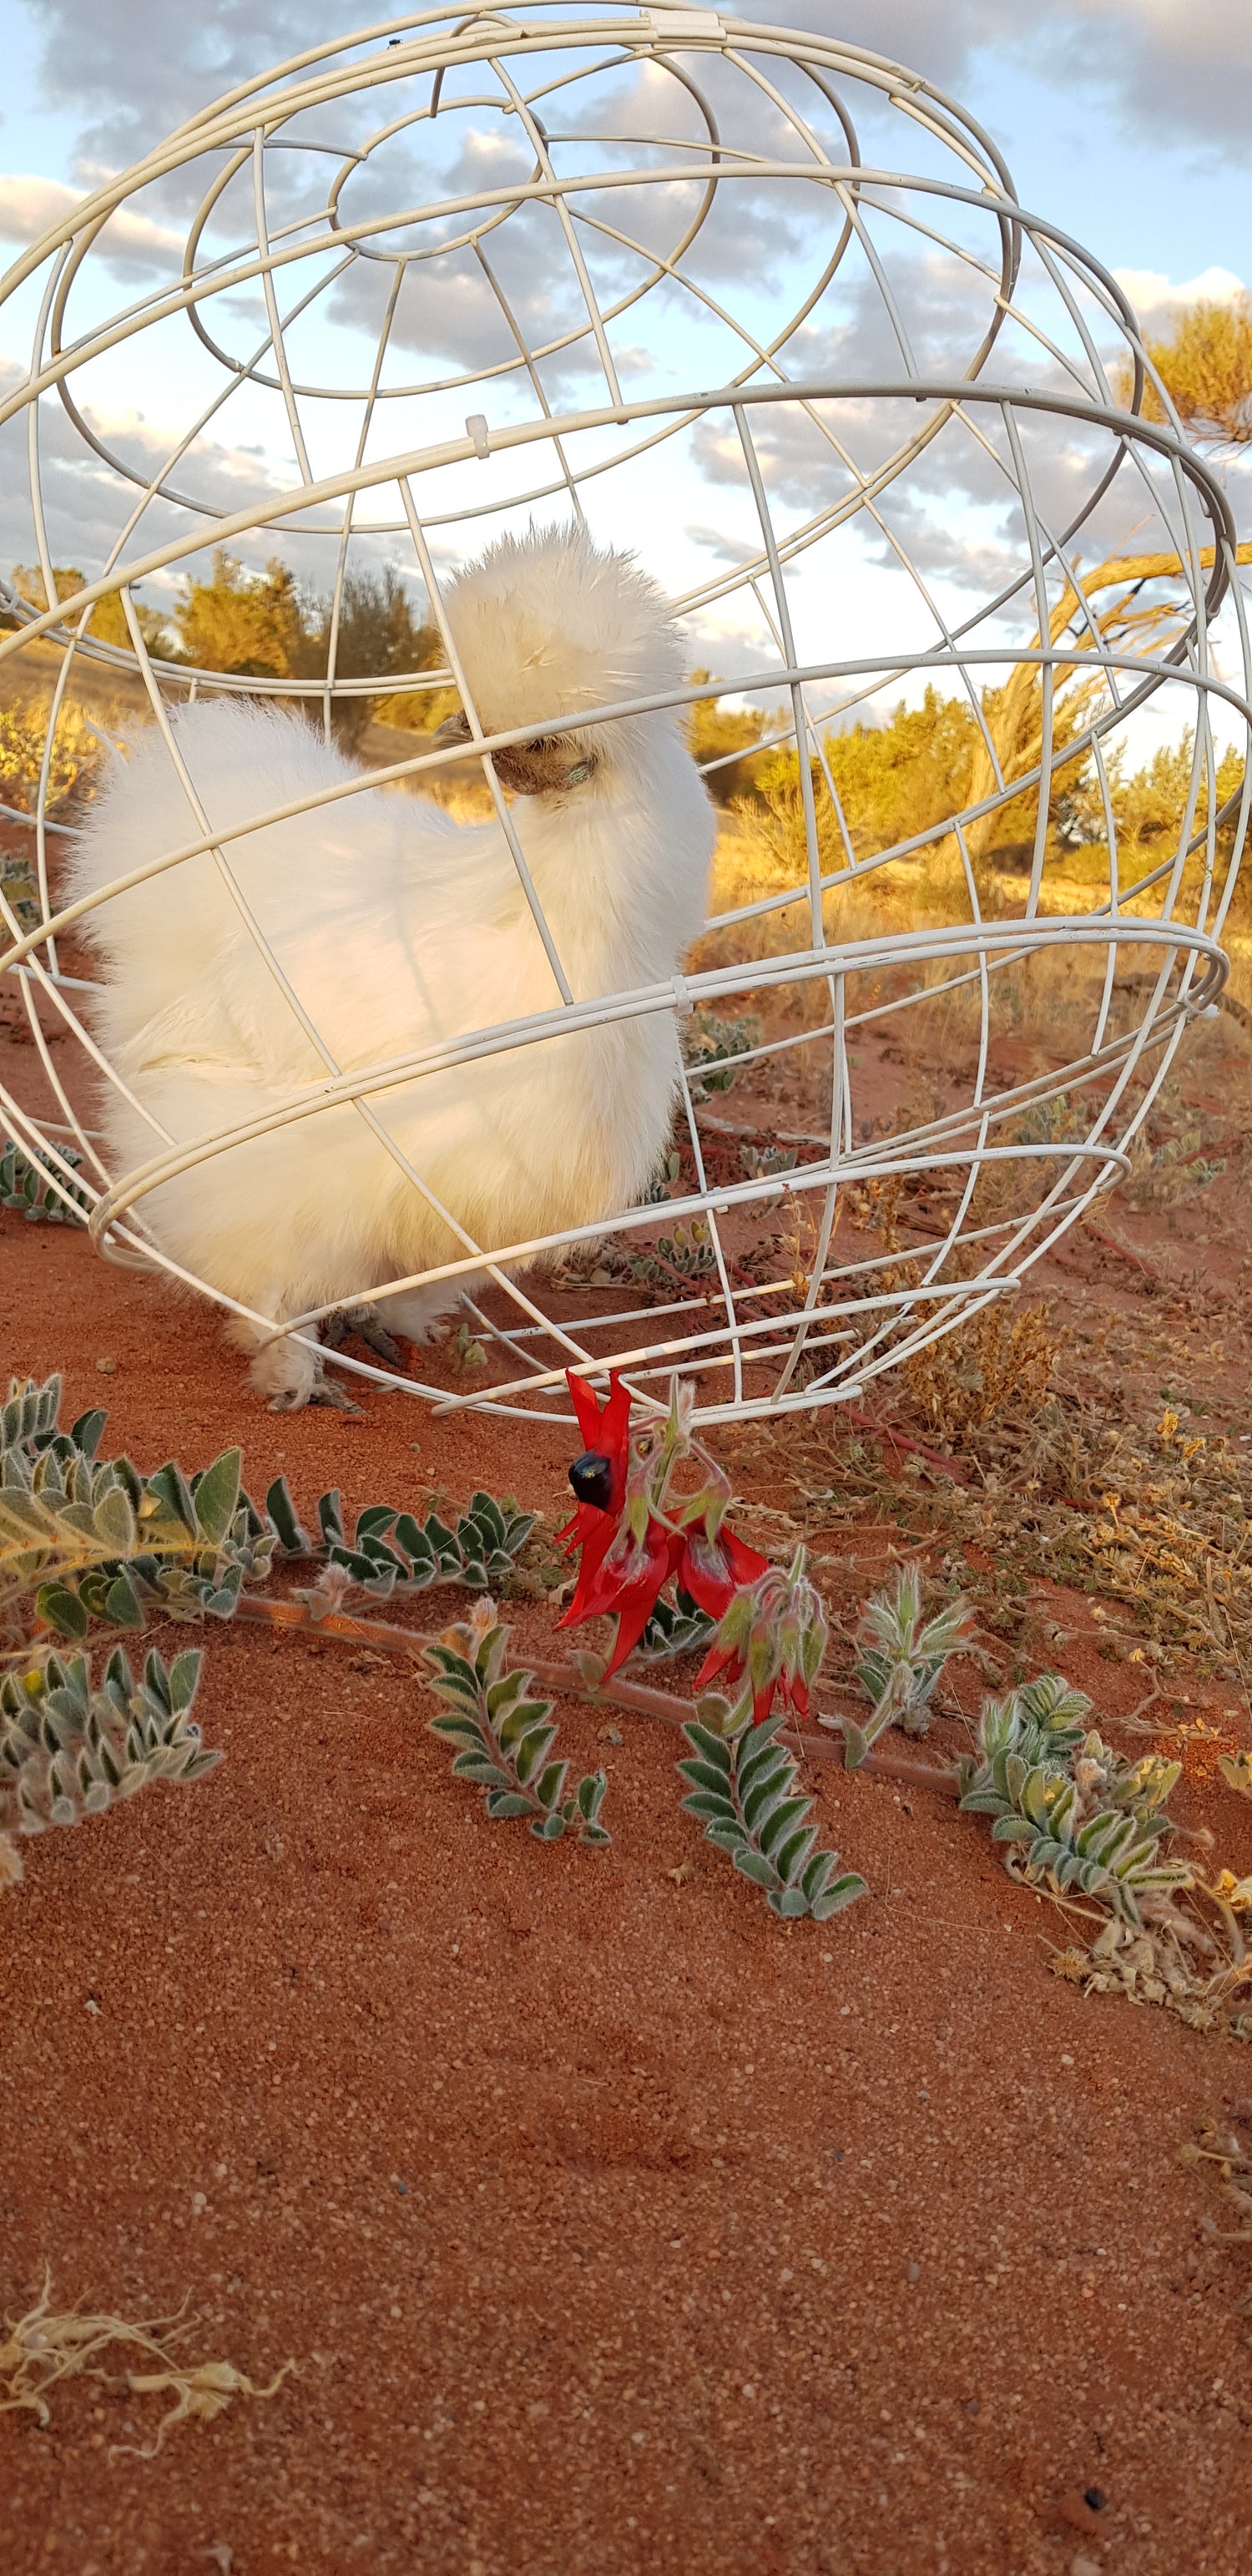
{"points": [[682, 185]]}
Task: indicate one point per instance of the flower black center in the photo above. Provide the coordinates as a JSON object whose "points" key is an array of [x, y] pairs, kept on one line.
{"points": [[592, 1479]]}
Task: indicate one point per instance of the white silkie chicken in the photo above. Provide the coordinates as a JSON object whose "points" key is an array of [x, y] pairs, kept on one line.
{"points": [[397, 928]]}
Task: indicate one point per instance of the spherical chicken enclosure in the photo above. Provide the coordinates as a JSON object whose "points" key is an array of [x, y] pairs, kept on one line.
{"points": [[454, 460]]}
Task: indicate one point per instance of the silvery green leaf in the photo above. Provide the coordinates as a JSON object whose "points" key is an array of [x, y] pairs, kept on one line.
{"points": [[789, 1901], [281, 1510], [170, 1487], [591, 1792], [704, 1775], [790, 1856], [482, 1770], [122, 1604], [788, 1812], [529, 1752], [216, 1494], [754, 1866], [551, 1781], [459, 1730], [832, 1900], [714, 1748], [711, 1802], [62, 1609]]}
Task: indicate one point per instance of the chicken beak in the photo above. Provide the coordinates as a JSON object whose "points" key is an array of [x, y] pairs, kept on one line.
{"points": [[453, 729]]}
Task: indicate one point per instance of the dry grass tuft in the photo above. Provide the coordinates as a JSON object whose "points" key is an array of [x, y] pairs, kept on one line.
{"points": [[1000, 1363], [42, 2349], [1155, 1966], [1217, 2142]]}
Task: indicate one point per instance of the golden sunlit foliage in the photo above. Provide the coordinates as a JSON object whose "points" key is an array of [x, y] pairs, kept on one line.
{"points": [[891, 781], [904, 781], [377, 635], [1206, 365], [76, 752], [262, 626], [906, 778], [713, 731], [249, 623], [896, 781], [107, 621]]}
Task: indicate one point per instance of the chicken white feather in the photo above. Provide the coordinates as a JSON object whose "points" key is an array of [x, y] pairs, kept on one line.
{"points": [[395, 929]]}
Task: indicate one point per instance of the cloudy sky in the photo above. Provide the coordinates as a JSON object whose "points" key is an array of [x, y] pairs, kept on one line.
{"points": [[1125, 121], [1132, 115]]}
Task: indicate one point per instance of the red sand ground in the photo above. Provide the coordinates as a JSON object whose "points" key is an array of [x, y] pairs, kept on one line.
{"points": [[612, 2225]]}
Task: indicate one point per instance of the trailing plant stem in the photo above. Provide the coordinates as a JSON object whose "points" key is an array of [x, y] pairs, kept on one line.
{"points": [[569, 1683]]}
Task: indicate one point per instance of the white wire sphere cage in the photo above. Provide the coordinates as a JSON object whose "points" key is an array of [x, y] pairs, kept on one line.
{"points": [[764, 308]]}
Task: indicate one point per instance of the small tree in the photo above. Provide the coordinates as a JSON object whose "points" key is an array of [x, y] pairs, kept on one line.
{"points": [[249, 623], [376, 633]]}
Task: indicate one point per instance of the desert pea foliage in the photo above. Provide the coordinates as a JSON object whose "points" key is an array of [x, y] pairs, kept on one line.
{"points": [[505, 1734], [69, 1749], [652, 1508], [88, 1543], [746, 1789], [1073, 1813], [902, 1658], [94, 1543], [43, 1192]]}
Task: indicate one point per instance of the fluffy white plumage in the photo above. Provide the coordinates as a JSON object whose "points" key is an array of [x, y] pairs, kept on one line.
{"points": [[396, 927]]}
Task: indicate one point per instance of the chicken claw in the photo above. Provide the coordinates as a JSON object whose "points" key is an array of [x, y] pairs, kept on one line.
{"points": [[364, 1322], [328, 1391], [324, 1390]]}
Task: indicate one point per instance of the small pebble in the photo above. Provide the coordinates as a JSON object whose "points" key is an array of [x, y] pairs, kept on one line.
{"points": [[914, 2272], [1096, 2498], [1084, 2566], [107, 1368]]}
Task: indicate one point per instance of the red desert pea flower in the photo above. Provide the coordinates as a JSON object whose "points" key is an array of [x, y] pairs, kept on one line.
{"points": [[631, 1579], [632, 1533], [713, 1567], [770, 1642], [599, 1476], [599, 1482]]}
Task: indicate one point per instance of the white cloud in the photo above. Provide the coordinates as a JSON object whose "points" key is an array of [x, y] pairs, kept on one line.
{"points": [[30, 207], [87, 503], [1177, 74], [1152, 293], [953, 511]]}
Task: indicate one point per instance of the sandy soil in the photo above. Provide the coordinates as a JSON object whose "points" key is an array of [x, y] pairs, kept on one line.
{"points": [[612, 2225]]}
